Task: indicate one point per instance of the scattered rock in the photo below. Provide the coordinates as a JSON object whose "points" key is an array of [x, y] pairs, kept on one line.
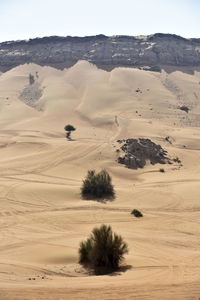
{"points": [[139, 151], [177, 160], [32, 93], [120, 141]]}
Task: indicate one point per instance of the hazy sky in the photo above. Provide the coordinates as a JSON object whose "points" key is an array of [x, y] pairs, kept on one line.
{"points": [[23, 19]]}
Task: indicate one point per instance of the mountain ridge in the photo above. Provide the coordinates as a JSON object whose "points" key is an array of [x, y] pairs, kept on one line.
{"points": [[153, 52]]}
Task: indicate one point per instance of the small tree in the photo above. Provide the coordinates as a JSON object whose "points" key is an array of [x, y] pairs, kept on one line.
{"points": [[69, 128], [97, 185], [103, 251]]}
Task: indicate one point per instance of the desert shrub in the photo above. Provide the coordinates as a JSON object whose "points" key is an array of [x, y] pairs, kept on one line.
{"points": [[162, 170], [97, 185], [31, 79], [84, 250], [103, 251], [137, 213], [69, 128]]}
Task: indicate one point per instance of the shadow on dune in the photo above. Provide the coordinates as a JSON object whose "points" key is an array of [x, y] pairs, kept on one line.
{"points": [[100, 200], [60, 260], [121, 270]]}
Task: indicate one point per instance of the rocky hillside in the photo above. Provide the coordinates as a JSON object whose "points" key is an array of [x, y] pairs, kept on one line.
{"points": [[154, 51]]}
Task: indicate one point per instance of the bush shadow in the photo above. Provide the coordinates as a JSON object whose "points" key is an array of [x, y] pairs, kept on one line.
{"points": [[121, 270]]}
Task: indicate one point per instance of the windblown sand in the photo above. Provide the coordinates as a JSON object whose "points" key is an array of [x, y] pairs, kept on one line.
{"points": [[42, 216]]}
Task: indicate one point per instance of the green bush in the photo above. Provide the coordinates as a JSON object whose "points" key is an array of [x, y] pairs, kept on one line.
{"points": [[97, 185], [103, 250]]}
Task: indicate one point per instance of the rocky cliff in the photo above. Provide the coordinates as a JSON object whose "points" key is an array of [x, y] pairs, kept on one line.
{"points": [[154, 51]]}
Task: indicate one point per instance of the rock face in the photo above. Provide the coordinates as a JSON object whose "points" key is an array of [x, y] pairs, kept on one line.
{"points": [[138, 151], [154, 51]]}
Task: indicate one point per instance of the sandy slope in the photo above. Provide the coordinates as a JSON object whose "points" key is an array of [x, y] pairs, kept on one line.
{"points": [[42, 217]]}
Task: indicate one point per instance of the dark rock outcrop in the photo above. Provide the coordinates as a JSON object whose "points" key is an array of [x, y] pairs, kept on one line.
{"points": [[139, 151], [147, 52]]}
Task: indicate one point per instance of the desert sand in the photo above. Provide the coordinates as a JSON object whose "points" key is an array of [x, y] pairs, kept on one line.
{"points": [[42, 216]]}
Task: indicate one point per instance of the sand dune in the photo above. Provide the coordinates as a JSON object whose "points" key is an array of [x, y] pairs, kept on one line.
{"points": [[42, 217]]}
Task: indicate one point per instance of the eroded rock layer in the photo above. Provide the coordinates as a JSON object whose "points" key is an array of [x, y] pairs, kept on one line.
{"points": [[154, 51]]}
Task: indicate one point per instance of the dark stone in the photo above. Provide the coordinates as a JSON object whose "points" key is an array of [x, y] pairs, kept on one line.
{"points": [[138, 151], [137, 213], [184, 108]]}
